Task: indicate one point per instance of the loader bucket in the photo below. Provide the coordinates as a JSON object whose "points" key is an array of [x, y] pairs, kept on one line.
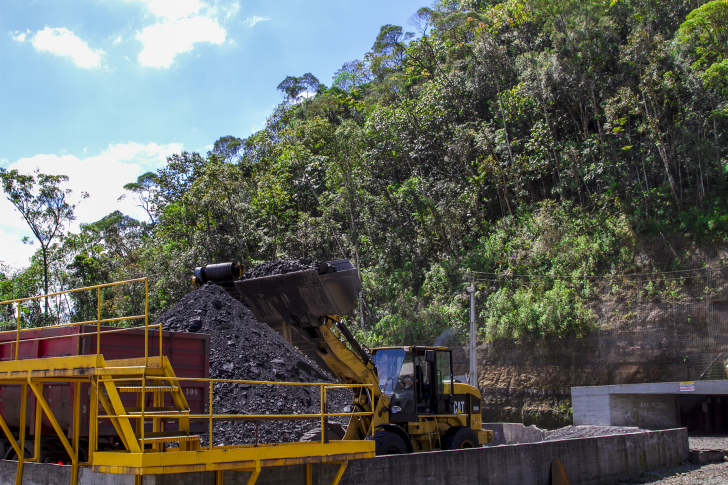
{"points": [[301, 298]]}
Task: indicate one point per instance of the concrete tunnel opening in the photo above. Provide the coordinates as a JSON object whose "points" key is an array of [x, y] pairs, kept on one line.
{"points": [[699, 406]]}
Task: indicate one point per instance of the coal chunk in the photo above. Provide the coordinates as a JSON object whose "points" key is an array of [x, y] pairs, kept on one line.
{"points": [[284, 266], [194, 325]]}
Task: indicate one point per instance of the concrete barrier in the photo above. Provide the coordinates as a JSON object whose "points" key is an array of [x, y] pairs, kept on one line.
{"points": [[588, 461], [514, 433]]}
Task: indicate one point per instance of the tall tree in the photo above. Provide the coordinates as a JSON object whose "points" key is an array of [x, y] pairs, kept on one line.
{"points": [[43, 205], [144, 190], [294, 87], [228, 147]]}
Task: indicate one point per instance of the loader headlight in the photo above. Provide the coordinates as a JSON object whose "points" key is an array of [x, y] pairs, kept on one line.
{"points": [[349, 409], [395, 410]]}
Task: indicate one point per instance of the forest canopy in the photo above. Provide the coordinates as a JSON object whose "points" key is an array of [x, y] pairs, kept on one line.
{"points": [[516, 137]]}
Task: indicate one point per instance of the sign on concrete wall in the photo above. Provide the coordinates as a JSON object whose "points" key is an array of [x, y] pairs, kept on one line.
{"points": [[687, 387]]}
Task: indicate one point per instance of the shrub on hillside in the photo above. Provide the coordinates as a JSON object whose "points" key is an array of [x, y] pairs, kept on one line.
{"points": [[558, 312]]}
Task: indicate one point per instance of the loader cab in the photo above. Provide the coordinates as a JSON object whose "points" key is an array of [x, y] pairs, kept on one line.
{"points": [[414, 378]]}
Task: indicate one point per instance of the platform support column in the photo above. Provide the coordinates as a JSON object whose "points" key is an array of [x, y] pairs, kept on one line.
{"points": [[37, 432], [340, 472], [219, 475], [93, 420], [76, 424], [21, 433], [254, 474], [309, 474]]}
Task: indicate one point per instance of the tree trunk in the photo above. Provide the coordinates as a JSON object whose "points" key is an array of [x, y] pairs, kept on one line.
{"points": [[45, 276]]}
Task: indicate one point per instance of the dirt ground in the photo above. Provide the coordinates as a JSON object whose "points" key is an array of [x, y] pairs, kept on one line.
{"points": [[688, 474]]}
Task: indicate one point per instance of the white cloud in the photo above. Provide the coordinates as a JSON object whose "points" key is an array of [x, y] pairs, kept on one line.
{"points": [[15, 254], [171, 9], [181, 24], [62, 42], [103, 176], [230, 9], [118, 40], [251, 21], [19, 36], [163, 41]]}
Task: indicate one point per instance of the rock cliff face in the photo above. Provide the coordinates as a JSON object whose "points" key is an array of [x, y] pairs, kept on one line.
{"points": [[530, 381]]}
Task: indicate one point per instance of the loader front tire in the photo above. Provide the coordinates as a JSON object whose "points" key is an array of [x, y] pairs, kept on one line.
{"points": [[389, 443], [459, 438]]}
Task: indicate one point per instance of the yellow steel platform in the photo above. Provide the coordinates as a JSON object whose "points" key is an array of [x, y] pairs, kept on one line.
{"points": [[231, 458], [144, 452]]}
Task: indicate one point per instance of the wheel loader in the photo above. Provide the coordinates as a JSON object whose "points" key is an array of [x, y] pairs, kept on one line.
{"points": [[417, 404]]}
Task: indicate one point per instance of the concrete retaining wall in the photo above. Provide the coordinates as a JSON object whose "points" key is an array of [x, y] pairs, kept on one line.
{"points": [[599, 460]]}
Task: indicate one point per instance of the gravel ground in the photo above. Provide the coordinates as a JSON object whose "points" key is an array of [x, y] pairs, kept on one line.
{"points": [[708, 442], [688, 474], [691, 473]]}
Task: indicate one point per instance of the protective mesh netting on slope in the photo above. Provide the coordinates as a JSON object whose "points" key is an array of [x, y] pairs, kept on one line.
{"points": [[677, 319]]}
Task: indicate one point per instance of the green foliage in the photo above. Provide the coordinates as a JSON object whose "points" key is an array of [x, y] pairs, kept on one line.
{"points": [[517, 137], [144, 190], [704, 36], [294, 87], [557, 312], [555, 240]]}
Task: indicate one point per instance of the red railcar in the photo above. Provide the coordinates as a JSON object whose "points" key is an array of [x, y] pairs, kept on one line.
{"points": [[189, 354]]}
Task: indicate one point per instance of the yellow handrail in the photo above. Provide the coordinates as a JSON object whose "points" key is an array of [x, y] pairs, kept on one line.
{"points": [[105, 285], [209, 416], [98, 320]]}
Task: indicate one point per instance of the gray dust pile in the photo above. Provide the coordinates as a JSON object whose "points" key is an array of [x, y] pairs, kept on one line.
{"points": [[576, 432], [244, 349]]}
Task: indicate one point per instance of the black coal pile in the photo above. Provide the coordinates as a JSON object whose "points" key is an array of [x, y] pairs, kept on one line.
{"points": [[245, 349], [283, 266]]}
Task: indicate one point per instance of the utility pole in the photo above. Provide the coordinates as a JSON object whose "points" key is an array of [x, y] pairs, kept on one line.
{"points": [[473, 374]]}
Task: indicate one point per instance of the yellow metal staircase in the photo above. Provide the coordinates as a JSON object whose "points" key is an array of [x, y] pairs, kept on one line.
{"points": [[131, 422]]}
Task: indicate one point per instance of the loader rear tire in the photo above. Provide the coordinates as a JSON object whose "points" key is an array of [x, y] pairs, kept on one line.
{"points": [[459, 438], [389, 443]]}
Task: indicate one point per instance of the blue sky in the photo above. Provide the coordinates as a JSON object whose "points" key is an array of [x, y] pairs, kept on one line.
{"points": [[104, 90]]}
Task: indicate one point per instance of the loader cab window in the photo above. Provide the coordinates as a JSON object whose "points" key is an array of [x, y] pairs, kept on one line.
{"points": [[424, 390], [396, 377], [388, 363], [444, 372], [444, 376]]}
